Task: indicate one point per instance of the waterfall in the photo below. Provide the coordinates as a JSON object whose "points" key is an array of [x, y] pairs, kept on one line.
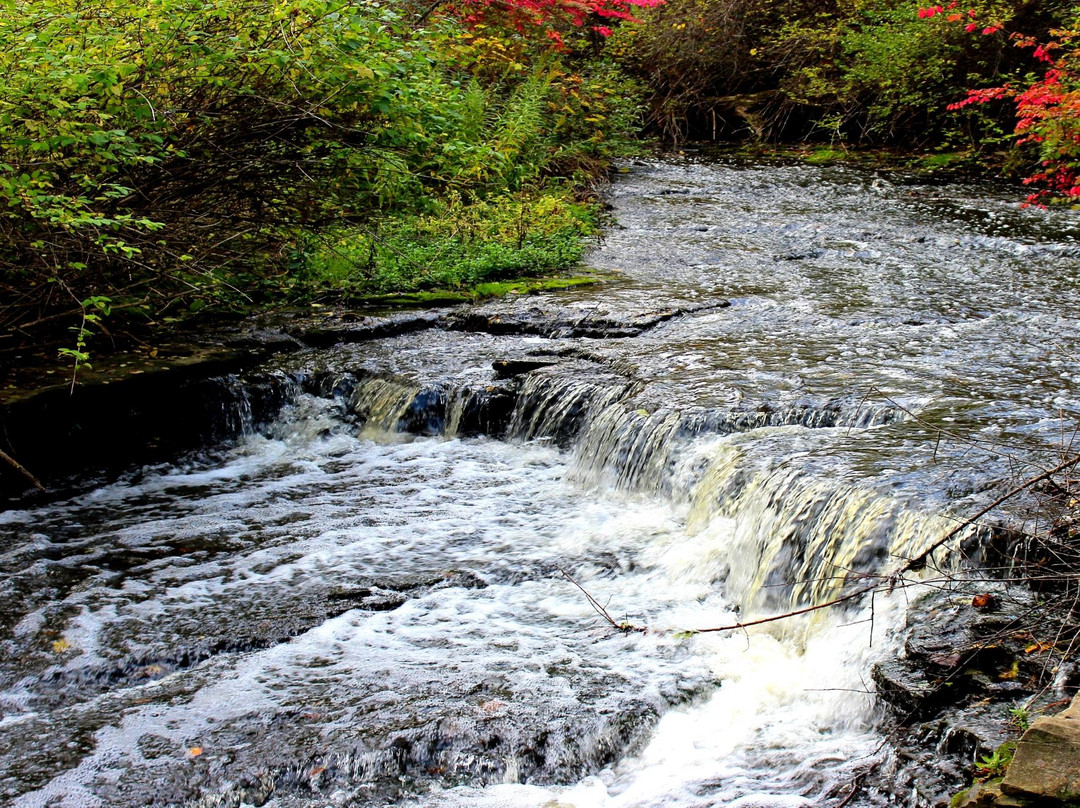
{"points": [[778, 539], [381, 404], [790, 540], [557, 407]]}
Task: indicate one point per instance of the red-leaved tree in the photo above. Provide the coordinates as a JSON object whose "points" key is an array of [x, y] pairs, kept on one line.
{"points": [[1047, 107], [552, 17]]}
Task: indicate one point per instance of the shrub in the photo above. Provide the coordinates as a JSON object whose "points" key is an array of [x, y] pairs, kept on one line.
{"points": [[456, 246]]}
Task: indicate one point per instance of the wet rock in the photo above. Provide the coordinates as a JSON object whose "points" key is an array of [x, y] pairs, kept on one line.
{"points": [[418, 584], [366, 599], [463, 578], [948, 697], [344, 328], [915, 773], [399, 747], [956, 653], [554, 321], [976, 731], [427, 413], [799, 256], [904, 685], [153, 746], [226, 632], [505, 573], [1046, 766], [508, 368], [486, 410], [146, 416], [986, 795]]}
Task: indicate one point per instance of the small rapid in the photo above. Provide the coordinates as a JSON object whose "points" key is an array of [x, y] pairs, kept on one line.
{"points": [[794, 378]]}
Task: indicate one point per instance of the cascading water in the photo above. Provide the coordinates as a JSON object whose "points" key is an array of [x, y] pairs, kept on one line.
{"points": [[374, 598]]}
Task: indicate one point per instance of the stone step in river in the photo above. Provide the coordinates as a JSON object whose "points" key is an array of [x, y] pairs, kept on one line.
{"points": [[794, 377]]}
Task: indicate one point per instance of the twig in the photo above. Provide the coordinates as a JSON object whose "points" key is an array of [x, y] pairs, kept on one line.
{"points": [[427, 13], [855, 786], [919, 561], [794, 613], [600, 610], [19, 467]]}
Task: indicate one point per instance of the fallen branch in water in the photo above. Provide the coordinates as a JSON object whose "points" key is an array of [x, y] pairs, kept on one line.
{"points": [[919, 561], [19, 467], [794, 613], [886, 582], [856, 784], [624, 626]]}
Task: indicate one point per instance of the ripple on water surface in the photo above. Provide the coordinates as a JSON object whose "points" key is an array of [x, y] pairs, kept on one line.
{"points": [[369, 610], [313, 617]]}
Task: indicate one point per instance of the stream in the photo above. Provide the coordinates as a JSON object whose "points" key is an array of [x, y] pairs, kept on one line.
{"points": [[792, 376]]}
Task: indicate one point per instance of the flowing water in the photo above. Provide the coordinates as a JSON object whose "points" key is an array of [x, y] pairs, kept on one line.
{"points": [[795, 375]]}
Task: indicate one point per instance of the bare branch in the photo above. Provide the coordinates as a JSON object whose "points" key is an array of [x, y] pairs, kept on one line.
{"points": [[11, 461]]}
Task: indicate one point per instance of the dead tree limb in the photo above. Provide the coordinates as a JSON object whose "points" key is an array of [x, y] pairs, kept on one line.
{"points": [[600, 610], [794, 613], [19, 467], [919, 561]]}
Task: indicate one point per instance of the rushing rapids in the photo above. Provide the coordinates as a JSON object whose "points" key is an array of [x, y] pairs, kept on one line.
{"points": [[378, 595]]}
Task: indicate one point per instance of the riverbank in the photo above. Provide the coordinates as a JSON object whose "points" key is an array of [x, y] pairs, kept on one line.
{"points": [[463, 255], [145, 401]]}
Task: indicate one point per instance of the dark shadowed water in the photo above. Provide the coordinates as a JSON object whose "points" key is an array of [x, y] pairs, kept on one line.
{"points": [[331, 612]]}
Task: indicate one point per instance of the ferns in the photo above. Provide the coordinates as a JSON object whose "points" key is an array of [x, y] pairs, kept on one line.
{"points": [[501, 145], [517, 137]]}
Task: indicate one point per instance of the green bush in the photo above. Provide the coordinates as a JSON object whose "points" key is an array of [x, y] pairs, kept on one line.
{"points": [[169, 154], [148, 148], [456, 246], [865, 72]]}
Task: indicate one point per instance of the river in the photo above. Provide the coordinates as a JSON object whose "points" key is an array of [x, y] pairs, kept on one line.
{"points": [[793, 376]]}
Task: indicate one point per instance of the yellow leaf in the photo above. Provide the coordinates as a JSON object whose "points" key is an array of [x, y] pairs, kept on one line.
{"points": [[60, 646], [195, 751]]}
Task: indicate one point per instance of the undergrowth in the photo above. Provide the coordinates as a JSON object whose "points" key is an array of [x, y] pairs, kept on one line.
{"points": [[457, 246]]}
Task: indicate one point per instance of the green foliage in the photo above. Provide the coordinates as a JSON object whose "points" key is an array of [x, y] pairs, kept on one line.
{"points": [[867, 72], [146, 146], [93, 309], [173, 154], [872, 71], [995, 764], [824, 156], [456, 246], [1020, 717]]}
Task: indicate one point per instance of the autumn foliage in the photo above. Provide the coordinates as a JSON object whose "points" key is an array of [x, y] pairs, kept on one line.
{"points": [[1047, 103], [550, 16]]}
